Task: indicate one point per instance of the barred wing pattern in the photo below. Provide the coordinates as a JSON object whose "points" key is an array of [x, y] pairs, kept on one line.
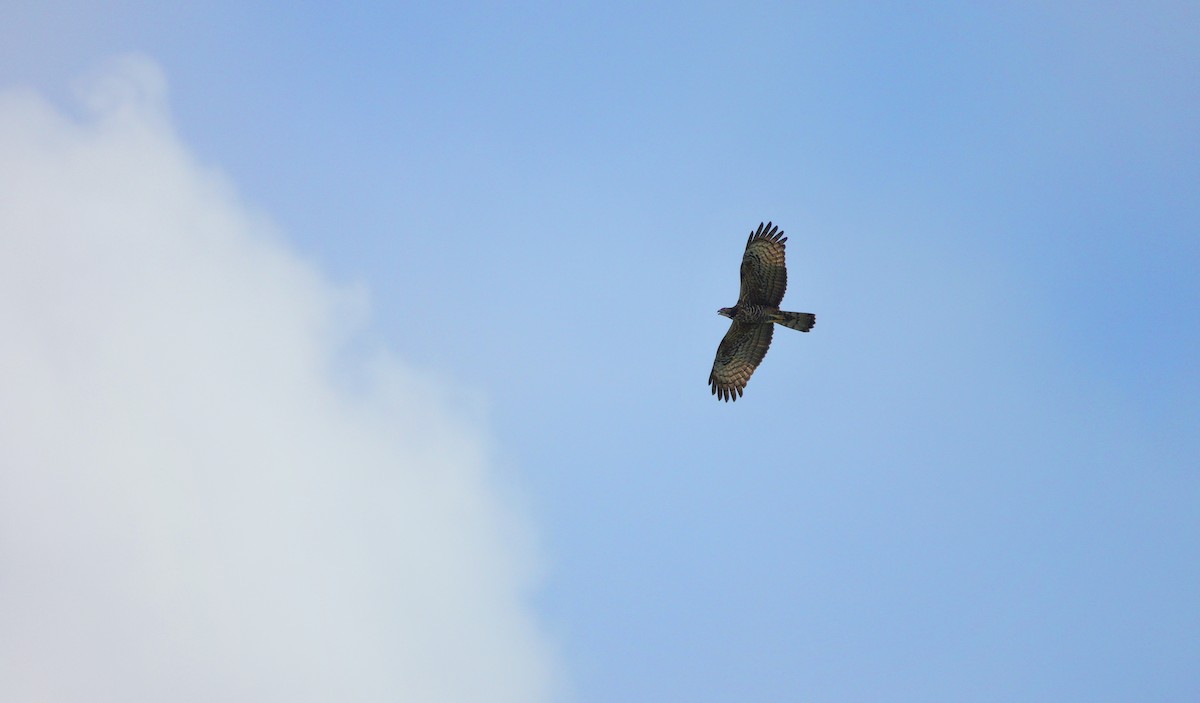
{"points": [[764, 273], [740, 352]]}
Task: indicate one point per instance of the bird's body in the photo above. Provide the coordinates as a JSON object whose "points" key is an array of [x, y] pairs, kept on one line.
{"points": [[764, 281], [750, 314]]}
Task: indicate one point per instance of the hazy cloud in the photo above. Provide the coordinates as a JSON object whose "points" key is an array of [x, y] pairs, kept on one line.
{"points": [[194, 506]]}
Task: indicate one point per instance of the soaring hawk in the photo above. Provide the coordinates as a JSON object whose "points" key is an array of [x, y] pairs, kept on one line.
{"points": [[764, 280]]}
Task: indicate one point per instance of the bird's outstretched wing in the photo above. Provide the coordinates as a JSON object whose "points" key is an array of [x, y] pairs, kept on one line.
{"points": [[740, 352], [764, 272]]}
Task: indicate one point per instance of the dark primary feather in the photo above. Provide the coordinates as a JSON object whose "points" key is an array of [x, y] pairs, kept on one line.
{"points": [[764, 271], [740, 352]]}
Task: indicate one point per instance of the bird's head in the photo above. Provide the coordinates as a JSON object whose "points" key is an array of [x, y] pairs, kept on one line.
{"points": [[727, 312]]}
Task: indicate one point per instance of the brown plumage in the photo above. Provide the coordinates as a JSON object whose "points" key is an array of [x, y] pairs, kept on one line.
{"points": [[764, 281]]}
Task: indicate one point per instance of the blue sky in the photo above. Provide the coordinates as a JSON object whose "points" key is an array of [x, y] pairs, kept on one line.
{"points": [[976, 479]]}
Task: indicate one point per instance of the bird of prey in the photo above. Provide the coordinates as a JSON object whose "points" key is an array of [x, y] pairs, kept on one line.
{"points": [[764, 280]]}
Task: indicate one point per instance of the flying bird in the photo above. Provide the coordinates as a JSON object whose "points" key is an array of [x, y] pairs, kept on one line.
{"points": [[764, 280]]}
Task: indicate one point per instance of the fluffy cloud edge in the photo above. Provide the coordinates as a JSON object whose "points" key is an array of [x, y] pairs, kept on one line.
{"points": [[194, 508]]}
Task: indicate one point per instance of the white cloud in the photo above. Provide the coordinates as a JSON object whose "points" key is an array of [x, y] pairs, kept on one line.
{"points": [[191, 507]]}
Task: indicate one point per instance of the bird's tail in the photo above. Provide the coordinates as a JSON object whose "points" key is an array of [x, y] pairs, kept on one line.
{"points": [[802, 321]]}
